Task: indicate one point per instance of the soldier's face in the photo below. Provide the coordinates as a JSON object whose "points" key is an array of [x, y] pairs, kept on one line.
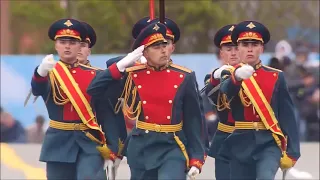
{"points": [[250, 51], [230, 55], [67, 49], [157, 55], [171, 47], [84, 52]]}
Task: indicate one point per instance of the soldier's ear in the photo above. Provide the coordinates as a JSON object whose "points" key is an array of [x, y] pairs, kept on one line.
{"points": [[221, 54], [145, 53], [56, 45], [262, 49], [173, 47]]}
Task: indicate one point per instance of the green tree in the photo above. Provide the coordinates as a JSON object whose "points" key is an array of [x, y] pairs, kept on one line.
{"points": [[34, 18], [198, 20]]}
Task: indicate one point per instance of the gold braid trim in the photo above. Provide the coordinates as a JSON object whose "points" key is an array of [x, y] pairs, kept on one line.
{"points": [[121, 146], [223, 103], [90, 136], [104, 151], [183, 149], [244, 99], [58, 100], [128, 110]]}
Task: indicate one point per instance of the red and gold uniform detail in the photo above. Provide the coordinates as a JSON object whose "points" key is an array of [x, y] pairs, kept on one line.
{"points": [[260, 75], [148, 85]]}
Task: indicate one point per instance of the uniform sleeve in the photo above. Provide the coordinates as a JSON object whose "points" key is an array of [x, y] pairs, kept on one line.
{"points": [[126, 142], [193, 123], [204, 131], [104, 104], [112, 124], [103, 80], [287, 119], [39, 85], [212, 96]]}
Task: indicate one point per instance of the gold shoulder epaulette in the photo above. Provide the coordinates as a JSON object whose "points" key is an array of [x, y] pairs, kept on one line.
{"points": [[181, 68], [268, 67], [90, 67], [135, 68]]}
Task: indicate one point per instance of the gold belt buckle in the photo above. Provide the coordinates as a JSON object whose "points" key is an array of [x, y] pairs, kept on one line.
{"points": [[76, 127], [157, 128], [255, 126]]}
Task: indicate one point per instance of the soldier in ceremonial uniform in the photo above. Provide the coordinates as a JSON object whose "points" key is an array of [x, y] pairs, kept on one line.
{"points": [[172, 37], [230, 56], [86, 45], [129, 124], [74, 146], [265, 136], [163, 99]]}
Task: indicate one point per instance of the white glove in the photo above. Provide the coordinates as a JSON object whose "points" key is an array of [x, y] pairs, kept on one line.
{"points": [[217, 73], [130, 59], [143, 60], [46, 65], [244, 72], [108, 166], [116, 165], [193, 172]]}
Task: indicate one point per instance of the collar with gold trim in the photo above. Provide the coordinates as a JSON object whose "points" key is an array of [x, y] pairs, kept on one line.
{"points": [[160, 68], [257, 66], [70, 66], [88, 63]]}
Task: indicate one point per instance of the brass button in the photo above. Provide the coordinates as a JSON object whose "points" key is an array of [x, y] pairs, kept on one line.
{"points": [[139, 86], [135, 75], [274, 74], [170, 101], [181, 76], [168, 117], [147, 117], [157, 128], [168, 70], [257, 116], [147, 131], [254, 74], [76, 127], [74, 71], [144, 102], [148, 72], [92, 72]]}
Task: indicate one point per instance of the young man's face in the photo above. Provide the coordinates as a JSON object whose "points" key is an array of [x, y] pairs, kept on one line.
{"points": [[84, 52], [250, 51], [157, 55], [67, 49], [230, 55]]}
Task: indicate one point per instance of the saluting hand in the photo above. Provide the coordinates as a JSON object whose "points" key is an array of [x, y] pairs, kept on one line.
{"points": [[130, 59], [46, 65], [244, 72]]}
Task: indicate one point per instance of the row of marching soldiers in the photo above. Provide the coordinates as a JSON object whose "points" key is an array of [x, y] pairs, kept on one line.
{"points": [[87, 136]]}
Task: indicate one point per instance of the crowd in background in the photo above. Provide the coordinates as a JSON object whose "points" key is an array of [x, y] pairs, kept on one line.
{"points": [[302, 76], [12, 130]]}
